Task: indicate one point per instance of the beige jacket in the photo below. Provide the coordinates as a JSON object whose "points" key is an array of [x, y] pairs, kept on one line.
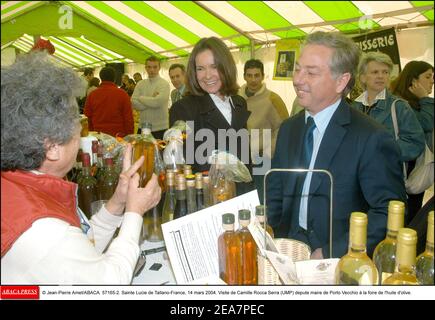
{"points": [[268, 111]]}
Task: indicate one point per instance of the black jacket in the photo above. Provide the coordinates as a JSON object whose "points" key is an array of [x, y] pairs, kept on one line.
{"points": [[205, 115]]}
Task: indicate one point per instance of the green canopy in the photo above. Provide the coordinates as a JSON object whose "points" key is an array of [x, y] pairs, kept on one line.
{"points": [[87, 33]]}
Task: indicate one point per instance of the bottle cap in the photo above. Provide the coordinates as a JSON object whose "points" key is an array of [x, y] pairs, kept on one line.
{"points": [[358, 219], [244, 214], [259, 210], [95, 146], [180, 183], [396, 215], [407, 236], [228, 218], [198, 180], [86, 159]]}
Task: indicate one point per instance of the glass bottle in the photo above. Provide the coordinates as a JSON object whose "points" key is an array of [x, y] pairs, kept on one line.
{"points": [[169, 204], [248, 249], [261, 218], [143, 147], [384, 256], [190, 193], [206, 189], [229, 252], [221, 188], [108, 181], [180, 196], [199, 191], [87, 186], [356, 268], [404, 271], [425, 261], [146, 128], [187, 169], [94, 162]]}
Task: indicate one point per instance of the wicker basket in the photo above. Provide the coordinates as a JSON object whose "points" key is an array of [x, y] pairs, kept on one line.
{"points": [[294, 249]]}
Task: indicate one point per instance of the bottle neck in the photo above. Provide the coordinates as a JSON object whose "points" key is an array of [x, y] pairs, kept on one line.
{"points": [[180, 195], [429, 238], [405, 258], [86, 171], [429, 248], [357, 239], [244, 223], [228, 227], [260, 219], [392, 234]]}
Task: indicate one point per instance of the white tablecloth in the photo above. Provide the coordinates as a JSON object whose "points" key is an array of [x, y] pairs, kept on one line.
{"points": [[164, 276]]}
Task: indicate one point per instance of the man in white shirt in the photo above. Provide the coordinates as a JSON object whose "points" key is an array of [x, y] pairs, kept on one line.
{"points": [[151, 97]]}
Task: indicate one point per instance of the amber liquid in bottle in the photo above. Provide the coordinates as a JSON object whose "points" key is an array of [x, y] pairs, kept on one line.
{"points": [[108, 181], [222, 189], [87, 187], [229, 252], [248, 249]]}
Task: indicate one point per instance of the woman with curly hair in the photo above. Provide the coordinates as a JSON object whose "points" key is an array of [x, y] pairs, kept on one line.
{"points": [[45, 237]]}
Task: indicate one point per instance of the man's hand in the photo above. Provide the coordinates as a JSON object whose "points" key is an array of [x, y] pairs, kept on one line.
{"points": [[317, 254]]}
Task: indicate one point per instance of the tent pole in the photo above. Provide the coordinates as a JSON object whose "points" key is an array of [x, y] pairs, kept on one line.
{"points": [[252, 49]]}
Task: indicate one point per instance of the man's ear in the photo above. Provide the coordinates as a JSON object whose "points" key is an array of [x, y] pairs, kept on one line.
{"points": [[53, 152], [342, 82]]}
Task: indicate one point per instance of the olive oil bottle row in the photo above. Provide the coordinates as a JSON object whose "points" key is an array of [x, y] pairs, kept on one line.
{"points": [[237, 249], [394, 259]]}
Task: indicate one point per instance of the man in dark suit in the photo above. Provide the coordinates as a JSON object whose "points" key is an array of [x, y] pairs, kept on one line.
{"points": [[361, 156]]}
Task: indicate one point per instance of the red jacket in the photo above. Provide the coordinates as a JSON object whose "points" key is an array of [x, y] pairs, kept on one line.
{"points": [[27, 197], [108, 109]]}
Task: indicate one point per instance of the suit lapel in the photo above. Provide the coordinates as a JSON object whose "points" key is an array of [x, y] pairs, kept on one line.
{"points": [[240, 114], [211, 114], [334, 134]]}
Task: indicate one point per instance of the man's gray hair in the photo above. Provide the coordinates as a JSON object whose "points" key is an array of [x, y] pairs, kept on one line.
{"points": [[41, 109], [344, 58]]}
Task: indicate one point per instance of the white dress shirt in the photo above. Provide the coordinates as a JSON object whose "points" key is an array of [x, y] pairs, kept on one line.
{"points": [[224, 106]]}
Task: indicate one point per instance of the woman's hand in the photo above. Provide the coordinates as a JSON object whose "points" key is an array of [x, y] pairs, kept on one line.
{"points": [[140, 200], [117, 202], [418, 90]]}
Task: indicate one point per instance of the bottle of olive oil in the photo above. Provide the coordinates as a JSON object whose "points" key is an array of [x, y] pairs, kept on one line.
{"points": [[356, 268], [404, 272], [384, 255]]}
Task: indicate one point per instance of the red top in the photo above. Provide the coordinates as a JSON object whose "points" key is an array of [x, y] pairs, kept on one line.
{"points": [[27, 197], [108, 109]]}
